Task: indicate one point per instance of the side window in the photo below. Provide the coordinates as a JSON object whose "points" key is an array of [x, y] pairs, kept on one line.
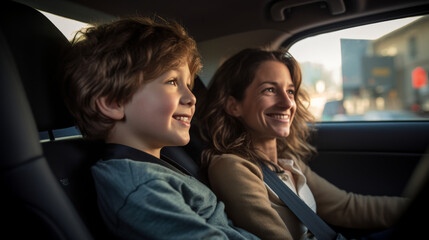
{"points": [[63, 133], [68, 27], [374, 72]]}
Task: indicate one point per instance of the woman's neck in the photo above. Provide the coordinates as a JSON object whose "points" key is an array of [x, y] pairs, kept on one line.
{"points": [[267, 147]]}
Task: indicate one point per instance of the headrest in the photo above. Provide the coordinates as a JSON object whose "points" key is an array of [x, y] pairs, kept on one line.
{"points": [[36, 45]]}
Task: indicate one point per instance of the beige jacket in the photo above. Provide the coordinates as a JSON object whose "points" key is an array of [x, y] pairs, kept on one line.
{"points": [[252, 206]]}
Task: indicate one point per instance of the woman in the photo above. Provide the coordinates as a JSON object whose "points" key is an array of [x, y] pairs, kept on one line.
{"points": [[256, 112]]}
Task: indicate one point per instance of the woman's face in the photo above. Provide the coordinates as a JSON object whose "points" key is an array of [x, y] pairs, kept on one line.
{"points": [[268, 107]]}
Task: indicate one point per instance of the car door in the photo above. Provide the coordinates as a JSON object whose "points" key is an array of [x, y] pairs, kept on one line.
{"points": [[376, 158]]}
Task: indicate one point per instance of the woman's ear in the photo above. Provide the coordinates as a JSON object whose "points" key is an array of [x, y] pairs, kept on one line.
{"points": [[112, 110], [233, 107]]}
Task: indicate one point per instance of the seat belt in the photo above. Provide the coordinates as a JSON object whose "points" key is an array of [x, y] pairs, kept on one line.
{"points": [[305, 214], [119, 151]]}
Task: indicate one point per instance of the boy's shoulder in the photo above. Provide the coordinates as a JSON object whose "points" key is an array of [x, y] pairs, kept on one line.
{"points": [[127, 162], [131, 174], [133, 170], [116, 179]]}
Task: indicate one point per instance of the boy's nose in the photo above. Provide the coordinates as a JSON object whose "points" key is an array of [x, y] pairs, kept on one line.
{"points": [[188, 98]]}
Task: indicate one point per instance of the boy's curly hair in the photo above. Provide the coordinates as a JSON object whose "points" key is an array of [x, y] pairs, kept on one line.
{"points": [[113, 60]]}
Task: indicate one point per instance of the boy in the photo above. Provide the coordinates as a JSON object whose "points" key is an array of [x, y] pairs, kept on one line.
{"points": [[128, 83]]}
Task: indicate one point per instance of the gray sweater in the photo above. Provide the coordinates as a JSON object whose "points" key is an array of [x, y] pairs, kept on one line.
{"points": [[141, 200]]}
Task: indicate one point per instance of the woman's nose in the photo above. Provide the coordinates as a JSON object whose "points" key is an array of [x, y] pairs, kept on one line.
{"points": [[285, 100]]}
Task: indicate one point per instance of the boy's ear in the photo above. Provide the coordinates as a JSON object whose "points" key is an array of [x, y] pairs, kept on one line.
{"points": [[233, 107], [112, 110]]}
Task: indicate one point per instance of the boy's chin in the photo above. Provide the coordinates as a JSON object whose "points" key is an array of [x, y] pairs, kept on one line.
{"points": [[185, 142], [181, 142]]}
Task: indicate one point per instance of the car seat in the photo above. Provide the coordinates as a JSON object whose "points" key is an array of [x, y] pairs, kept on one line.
{"points": [[33, 204], [48, 186]]}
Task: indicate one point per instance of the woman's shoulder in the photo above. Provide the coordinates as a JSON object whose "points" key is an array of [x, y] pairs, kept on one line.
{"points": [[229, 159], [233, 163], [226, 157]]}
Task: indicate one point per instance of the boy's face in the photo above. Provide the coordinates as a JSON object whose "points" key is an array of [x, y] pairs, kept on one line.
{"points": [[160, 112]]}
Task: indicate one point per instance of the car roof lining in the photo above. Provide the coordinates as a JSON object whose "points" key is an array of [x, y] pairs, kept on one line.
{"points": [[196, 15], [358, 21]]}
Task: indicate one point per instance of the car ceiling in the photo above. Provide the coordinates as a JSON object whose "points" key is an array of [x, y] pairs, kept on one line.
{"points": [[222, 27], [210, 19]]}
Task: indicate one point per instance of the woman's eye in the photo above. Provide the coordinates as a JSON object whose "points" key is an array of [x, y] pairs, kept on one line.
{"points": [[172, 82], [292, 92], [269, 90]]}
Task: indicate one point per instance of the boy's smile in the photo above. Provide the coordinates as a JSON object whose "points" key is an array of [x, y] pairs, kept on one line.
{"points": [[184, 119]]}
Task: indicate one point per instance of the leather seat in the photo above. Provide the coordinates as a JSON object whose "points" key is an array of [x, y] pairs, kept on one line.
{"points": [[33, 203]]}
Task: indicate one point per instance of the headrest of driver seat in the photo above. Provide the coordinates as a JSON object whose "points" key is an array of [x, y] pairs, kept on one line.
{"points": [[36, 45]]}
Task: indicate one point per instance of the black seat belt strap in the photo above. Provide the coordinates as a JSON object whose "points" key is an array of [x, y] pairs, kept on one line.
{"points": [[310, 219]]}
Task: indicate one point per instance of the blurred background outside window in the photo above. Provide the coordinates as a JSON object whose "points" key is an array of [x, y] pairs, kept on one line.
{"points": [[369, 73]]}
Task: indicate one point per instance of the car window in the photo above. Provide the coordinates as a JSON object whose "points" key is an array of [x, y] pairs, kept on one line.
{"points": [[68, 27], [63, 133], [374, 72]]}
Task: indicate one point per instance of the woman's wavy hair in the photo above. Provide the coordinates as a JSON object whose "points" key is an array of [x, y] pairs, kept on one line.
{"points": [[227, 134], [113, 60]]}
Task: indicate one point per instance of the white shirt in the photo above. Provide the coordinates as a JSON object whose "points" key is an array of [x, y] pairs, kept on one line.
{"points": [[297, 229]]}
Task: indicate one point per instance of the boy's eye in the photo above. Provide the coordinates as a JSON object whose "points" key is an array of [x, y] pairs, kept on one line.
{"points": [[172, 82]]}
